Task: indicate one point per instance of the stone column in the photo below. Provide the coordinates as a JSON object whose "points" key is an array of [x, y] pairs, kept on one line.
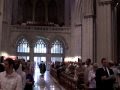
{"points": [[87, 30], [48, 58], [87, 38], [76, 30], [67, 13], [104, 30], [33, 9], [14, 9], [31, 53], [5, 31], [1, 19], [46, 11]]}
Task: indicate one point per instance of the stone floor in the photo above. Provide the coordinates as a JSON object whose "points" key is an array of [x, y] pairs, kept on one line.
{"points": [[46, 82]]}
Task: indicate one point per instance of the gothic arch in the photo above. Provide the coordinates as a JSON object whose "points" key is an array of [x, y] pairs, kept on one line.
{"points": [[19, 37], [61, 39], [44, 38]]}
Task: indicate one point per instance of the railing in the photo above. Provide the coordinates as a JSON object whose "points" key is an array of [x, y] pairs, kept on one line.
{"points": [[39, 28]]}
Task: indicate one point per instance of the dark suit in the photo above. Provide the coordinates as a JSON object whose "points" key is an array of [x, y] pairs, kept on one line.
{"points": [[1, 68], [104, 84]]}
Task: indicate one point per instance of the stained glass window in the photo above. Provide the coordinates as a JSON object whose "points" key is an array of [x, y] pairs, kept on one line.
{"points": [[23, 46], [40, 47], [57, 47]]}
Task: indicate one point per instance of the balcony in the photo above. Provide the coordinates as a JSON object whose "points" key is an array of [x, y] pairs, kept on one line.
{"points": [[24, 28]]}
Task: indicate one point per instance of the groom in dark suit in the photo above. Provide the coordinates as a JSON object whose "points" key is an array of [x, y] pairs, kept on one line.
{"points": [[104, 77]]}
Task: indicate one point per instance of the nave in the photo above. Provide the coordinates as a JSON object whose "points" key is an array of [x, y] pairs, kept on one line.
{"points": [[46, 82]]}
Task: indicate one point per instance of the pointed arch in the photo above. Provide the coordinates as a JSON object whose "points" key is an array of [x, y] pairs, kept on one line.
{"points": [[23, 49], [57, 50], [57, 47], [23, 46], [40, 46]]}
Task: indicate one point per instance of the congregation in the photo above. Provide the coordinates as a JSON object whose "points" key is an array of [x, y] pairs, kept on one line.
{"points": [[18, 74], [87, 75]]}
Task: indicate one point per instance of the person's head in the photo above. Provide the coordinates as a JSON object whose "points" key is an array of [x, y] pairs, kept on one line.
{"points": [[17, 64], [104, 62], [9, 64], [95, 66], [88, 61], [111, 63]]}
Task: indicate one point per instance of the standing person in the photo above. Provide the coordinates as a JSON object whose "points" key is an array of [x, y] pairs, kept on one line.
{"points": [[9, 79], [42, 68], [18, 69], [78, 75], [88, 67], [92, 77], [29, 80], [1, 64], [104, 77]]}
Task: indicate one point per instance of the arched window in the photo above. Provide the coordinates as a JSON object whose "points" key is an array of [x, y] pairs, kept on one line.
{"points": [[57, 51], [57, 47], [40, 47], [23, 49]]}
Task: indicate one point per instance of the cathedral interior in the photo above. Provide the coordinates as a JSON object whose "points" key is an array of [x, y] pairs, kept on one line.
{"points": [[60, 30]]}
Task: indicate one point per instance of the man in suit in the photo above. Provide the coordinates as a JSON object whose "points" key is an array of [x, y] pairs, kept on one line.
{"points": [[104, 77]]}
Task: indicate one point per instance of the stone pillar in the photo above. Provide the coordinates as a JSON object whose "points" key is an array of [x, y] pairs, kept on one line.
{"points": [[48, 58], [15, 11], [76, 40], [87, 38], [67, 13], [104, 32], [87, 30], [1, 19], [31, 53], [46, 11], [33, 9], [6, 21]]}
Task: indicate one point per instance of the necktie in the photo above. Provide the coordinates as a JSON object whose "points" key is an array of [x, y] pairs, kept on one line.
{"points": [[107, 71]]}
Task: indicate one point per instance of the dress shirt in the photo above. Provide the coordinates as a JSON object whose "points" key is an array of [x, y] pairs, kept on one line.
{"points": [[10, 82], [91, 78]]}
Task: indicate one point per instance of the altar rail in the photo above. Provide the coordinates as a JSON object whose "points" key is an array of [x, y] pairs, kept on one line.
{"points": [[39, 28]]}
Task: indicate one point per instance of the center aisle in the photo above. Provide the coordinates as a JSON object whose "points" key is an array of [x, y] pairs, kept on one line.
{"points": [[46, 82]]}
